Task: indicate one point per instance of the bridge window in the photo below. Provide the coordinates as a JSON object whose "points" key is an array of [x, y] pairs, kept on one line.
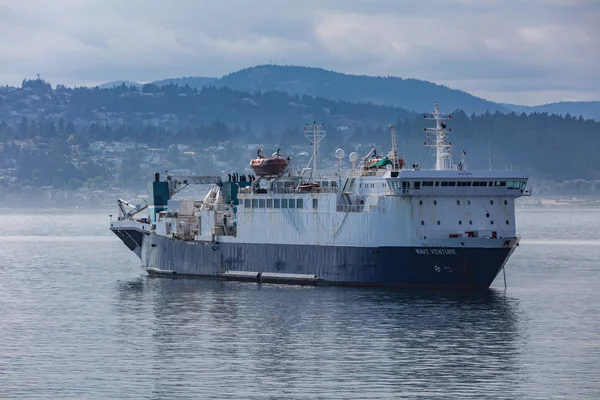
{"points": [[261, 203], [299, 203], [469, 183], [445, 184], [247, 203], [427, 183], [269, 203], [291, 203], [417, 185], [315, 203], [451, 183], [276, 203], [515, 185], [284, 203], [254, 203], [437, 183]]}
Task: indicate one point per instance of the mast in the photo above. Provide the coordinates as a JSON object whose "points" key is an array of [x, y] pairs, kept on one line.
{"points": [[443, 149], [315, 135], [394, 147]]}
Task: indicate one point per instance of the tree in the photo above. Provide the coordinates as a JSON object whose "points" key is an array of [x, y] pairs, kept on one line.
{"points": [[58, 183]]}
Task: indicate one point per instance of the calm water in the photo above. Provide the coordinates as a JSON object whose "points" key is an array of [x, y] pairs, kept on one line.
{"points": [[79, 319]]}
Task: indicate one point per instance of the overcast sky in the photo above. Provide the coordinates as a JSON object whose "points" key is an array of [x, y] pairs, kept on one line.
{"points": [[524, 52]]}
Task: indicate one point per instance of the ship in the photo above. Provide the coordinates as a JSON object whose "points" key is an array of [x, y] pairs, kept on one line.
{"points": [[377, 222]]}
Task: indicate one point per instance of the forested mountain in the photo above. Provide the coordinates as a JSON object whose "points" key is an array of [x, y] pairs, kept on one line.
{"points": [[197, 82], [176, 106], [64, 137], [113, 84], [587, 109], [411, 94]]}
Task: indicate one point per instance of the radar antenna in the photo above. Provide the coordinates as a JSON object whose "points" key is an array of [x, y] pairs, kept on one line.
{"points": [[443, 148]]}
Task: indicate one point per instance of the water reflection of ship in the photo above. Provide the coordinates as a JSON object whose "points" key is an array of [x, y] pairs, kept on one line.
{"points": [[440, 341]]}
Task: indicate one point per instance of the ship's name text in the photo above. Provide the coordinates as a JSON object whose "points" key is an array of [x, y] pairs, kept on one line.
{"points": [[436, 252]]}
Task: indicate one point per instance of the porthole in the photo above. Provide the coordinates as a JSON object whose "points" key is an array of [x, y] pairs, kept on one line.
{"points": [[470, 222], [460, 222], [420, 202], [507, 222], [438, 222], [487, 215], [491, 222], [423, 222], [435, 202], [458, 202], [468, 202], [491, 202], [505, 202]]}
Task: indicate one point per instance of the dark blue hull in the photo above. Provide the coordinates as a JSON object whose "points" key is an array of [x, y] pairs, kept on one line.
{"points": [[459, 267]]}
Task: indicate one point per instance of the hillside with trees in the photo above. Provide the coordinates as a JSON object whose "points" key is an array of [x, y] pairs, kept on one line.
{"points": [[410, 94], [71, 138]]}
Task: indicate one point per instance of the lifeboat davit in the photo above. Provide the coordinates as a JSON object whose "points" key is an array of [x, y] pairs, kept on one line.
{"points": [[269, 166], [382, 162]]}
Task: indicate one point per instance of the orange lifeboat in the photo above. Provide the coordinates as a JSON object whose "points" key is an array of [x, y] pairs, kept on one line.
{"points": [[269, 166]]}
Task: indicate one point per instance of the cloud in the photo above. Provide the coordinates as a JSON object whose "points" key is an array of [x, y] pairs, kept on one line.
{"points": [[511, 51]]}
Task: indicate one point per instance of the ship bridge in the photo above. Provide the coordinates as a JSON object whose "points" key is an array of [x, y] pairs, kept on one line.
{"points": [[456, 183]]}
